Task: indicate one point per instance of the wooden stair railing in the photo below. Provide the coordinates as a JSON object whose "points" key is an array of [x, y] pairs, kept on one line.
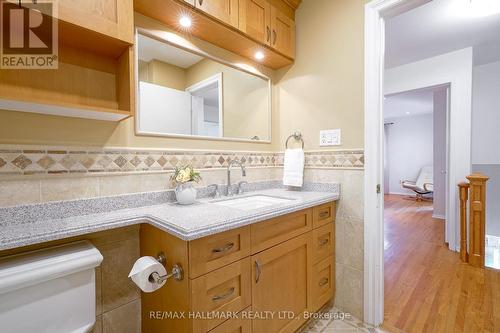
{"points": [[477, 219], [475, 190], [464, 196]]}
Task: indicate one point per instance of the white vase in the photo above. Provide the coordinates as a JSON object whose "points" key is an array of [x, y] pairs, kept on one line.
{"points": [[185, 193]]}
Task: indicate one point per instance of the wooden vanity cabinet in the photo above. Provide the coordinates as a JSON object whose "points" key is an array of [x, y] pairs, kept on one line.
{"points": [[284, 265]]}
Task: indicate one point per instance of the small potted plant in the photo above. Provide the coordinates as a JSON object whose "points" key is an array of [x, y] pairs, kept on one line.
{"points": [[184, 178]]}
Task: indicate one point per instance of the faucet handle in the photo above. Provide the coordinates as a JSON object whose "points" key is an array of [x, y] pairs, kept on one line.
{"points": [[216, 189], [240, 186]]}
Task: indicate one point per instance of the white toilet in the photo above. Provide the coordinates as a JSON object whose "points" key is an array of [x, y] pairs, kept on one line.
{"points": [[49, 290]]}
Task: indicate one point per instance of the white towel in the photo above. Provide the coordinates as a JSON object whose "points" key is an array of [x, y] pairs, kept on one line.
{"points": [[293, 170]]}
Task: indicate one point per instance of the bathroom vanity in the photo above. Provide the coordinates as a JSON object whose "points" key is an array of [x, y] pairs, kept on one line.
{"points": [[261, 277]]}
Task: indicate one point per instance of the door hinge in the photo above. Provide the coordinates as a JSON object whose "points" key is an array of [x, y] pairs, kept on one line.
{"points": [[378, 188]]}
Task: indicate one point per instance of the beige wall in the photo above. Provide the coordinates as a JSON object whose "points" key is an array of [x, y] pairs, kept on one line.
{"points": [[166, 75], [324, 88]]}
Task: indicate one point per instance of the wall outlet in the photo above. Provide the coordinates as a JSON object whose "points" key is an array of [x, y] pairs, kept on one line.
{"points": [[329, 137]]}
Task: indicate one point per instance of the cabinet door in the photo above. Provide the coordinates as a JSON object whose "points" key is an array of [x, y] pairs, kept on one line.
{"points": [[280, 284], [282, 33], [255, 19], [224, 10], [113, 18]]}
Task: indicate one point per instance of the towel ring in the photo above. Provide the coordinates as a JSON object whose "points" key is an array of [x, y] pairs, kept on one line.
{"points": [[297, 136]]}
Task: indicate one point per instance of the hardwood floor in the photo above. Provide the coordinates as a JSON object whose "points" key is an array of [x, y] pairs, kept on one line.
{"points": [[427, 288]]}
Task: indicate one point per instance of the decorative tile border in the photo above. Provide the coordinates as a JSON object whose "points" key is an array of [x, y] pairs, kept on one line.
{"points": [[54, 160]]}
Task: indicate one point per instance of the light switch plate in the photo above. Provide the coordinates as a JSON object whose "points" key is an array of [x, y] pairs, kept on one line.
{"points": [[329, 137]]}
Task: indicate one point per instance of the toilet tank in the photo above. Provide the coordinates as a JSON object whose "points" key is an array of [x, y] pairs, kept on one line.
{"points": [[49, 290]]}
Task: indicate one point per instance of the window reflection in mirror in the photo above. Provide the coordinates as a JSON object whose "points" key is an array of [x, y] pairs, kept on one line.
{"points": [[182, 93]]}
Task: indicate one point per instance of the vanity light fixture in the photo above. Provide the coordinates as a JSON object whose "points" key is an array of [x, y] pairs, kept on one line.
{"points": [[185, 21], [259, 55]]}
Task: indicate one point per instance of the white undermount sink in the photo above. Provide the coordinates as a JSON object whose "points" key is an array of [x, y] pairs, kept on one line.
{"points": [[251, 202]]}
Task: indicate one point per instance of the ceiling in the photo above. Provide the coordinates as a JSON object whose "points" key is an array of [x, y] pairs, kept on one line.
{"points": [[150, 49], [442, 26], [409, 104]]}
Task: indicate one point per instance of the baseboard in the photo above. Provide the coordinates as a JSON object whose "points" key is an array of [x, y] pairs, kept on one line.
{"points": [[400, 193], [436, 216]]}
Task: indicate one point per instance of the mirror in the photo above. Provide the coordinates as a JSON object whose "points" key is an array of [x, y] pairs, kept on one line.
{"points": [[181, 93]]}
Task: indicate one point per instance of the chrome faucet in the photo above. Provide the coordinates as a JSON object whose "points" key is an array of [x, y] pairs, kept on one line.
{"points": [[243, 173]]}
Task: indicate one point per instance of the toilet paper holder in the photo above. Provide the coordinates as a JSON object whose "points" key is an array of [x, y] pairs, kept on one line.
{"points": [[177, 272]]}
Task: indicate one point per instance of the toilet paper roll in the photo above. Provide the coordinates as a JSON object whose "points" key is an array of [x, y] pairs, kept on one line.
{"points": [[142, 269]]}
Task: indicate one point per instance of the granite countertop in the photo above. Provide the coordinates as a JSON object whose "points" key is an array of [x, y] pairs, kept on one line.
{"points": [[20, 228]]}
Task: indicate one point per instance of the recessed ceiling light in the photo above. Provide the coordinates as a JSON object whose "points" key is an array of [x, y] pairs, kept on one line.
{"points": [[185, 21], [259, 55], [407, 112]]}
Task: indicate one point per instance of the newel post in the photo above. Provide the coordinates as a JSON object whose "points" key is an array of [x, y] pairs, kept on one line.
{"points": [[477, 219], [464, 196]]}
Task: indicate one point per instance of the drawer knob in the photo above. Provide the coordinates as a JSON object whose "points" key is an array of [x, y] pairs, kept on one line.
{"points": [[324, 241], [225, 295], [324, 214], [323, 282], [224, 248]]}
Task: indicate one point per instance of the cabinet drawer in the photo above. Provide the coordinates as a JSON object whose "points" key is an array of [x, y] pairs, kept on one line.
{"points": [[323, 283], [323, 214], [209, 253], [235, 325], [277, 230], [226, 289], [323, 242]]}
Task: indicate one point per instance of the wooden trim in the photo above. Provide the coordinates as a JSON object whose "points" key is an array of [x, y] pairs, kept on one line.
{"points": [[464, 197], [477, 219]]}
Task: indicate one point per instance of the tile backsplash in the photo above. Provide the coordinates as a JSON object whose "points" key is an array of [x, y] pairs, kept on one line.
{"points": [[30, 160]]}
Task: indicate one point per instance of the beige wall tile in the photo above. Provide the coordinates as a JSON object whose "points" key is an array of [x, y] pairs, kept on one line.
{"points": [[124, 319], [353, 249], [98, 291], [69, 188], [98, 325], [19, 192], [136, 183], [353, 291], [117, 288], [339, 240], [339, 286]]}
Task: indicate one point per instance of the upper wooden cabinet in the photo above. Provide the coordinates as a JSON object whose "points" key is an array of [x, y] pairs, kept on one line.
{"points": [[240, 26], [282, 33], [112, 18], [255, 19], [266, 23], [224, 10]]}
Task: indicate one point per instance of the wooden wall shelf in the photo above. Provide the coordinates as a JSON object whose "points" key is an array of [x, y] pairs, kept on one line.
{"points": [[95, 74]]}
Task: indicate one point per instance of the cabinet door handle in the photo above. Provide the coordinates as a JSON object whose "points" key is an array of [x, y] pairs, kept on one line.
{"points": [[225, 295], [323, 281], [268, 34], [200, 2], [224, 248], [257, 271], [274, 37], [324, 214], [323, 242]]}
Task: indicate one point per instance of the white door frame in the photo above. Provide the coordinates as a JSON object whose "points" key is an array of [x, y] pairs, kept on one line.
{"points": [[375, 12], [217, 78]]}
